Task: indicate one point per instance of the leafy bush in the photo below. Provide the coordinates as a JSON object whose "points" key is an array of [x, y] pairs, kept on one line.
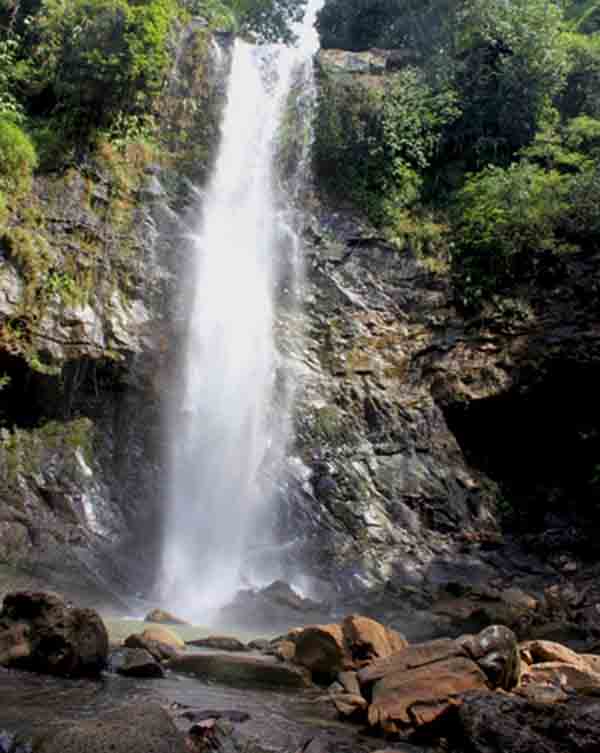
{"points": [[268, 20], [375, 140], [421, 25], [581, 219], [8, 101], [84, 60], [581, 94], [17, 158], [506, 217], [511, 62]]}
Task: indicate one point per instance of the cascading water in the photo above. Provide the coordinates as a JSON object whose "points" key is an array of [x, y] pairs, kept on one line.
{"points": [[227, 439]]}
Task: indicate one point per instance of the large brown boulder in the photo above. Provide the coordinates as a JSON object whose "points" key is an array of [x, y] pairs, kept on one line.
{"points": [[366, 639], [42, 633], [322, 650], [581, 678], [415, 697], [550, 651], [329, 649], [411, 657]]}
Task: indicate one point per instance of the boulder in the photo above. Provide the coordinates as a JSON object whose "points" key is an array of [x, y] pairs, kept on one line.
{"points": [[358, 641], [163, 635], [160, 651], [593, 661], [165, 618], [412, 698], [579, 678], [241, 671], [367, 639], [322, 650], [218, 642], [496, 651], [550, 651], [42, 633], [135, 662], [143, 728], [411, 657], [501, 723]]}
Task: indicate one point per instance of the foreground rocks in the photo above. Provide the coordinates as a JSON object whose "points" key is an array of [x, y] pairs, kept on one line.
{"points": [[42, 633], [492, 723], [133, 729], [327, 650], [241, 671], [219, 643], [135, 662]]}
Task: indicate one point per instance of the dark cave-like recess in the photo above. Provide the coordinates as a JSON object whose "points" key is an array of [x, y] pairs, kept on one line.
{"points": [[30, 398], [541, 442]]}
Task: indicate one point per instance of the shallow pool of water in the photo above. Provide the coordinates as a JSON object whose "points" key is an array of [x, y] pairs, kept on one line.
{"points": [[282, 720]]}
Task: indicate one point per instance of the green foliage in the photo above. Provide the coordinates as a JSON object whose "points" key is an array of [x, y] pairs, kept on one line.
{"points": [[581, 223], [584, 15], [217, 13], [506, 217], [9, 105], [17, 159], [103, 56], [582, 92], [422, 25], [268, 20], [511, 62], [373, 142]]}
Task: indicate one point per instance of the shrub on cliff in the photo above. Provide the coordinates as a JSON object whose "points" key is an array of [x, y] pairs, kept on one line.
{"points": [[17, 159], [506, 218], [374, 142], [96, 57]]}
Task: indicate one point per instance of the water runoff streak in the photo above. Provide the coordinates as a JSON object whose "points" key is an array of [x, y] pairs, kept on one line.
{"points": [[224, 431]]}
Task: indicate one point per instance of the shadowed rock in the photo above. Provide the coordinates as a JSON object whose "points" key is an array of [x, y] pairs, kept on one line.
{"points": [[42, 633], [136, 729], [500, 723], [136, 662], [241, 671], [218, 642]]}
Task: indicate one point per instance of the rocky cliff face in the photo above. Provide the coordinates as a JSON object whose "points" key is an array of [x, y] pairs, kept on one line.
{"points": [[438, 452], [87, 278]]}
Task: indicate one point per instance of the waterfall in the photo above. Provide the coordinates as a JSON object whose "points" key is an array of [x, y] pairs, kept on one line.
{"points": [[227, 438]]}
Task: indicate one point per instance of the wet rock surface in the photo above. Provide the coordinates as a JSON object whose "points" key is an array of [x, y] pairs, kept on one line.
{"points": [[498, 724], [42, 633], [135, 662], [219, 642], [241, 671], [148, 728]]}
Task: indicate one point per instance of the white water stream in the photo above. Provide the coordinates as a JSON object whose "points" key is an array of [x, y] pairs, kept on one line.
{"points": [[225, 433]]}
